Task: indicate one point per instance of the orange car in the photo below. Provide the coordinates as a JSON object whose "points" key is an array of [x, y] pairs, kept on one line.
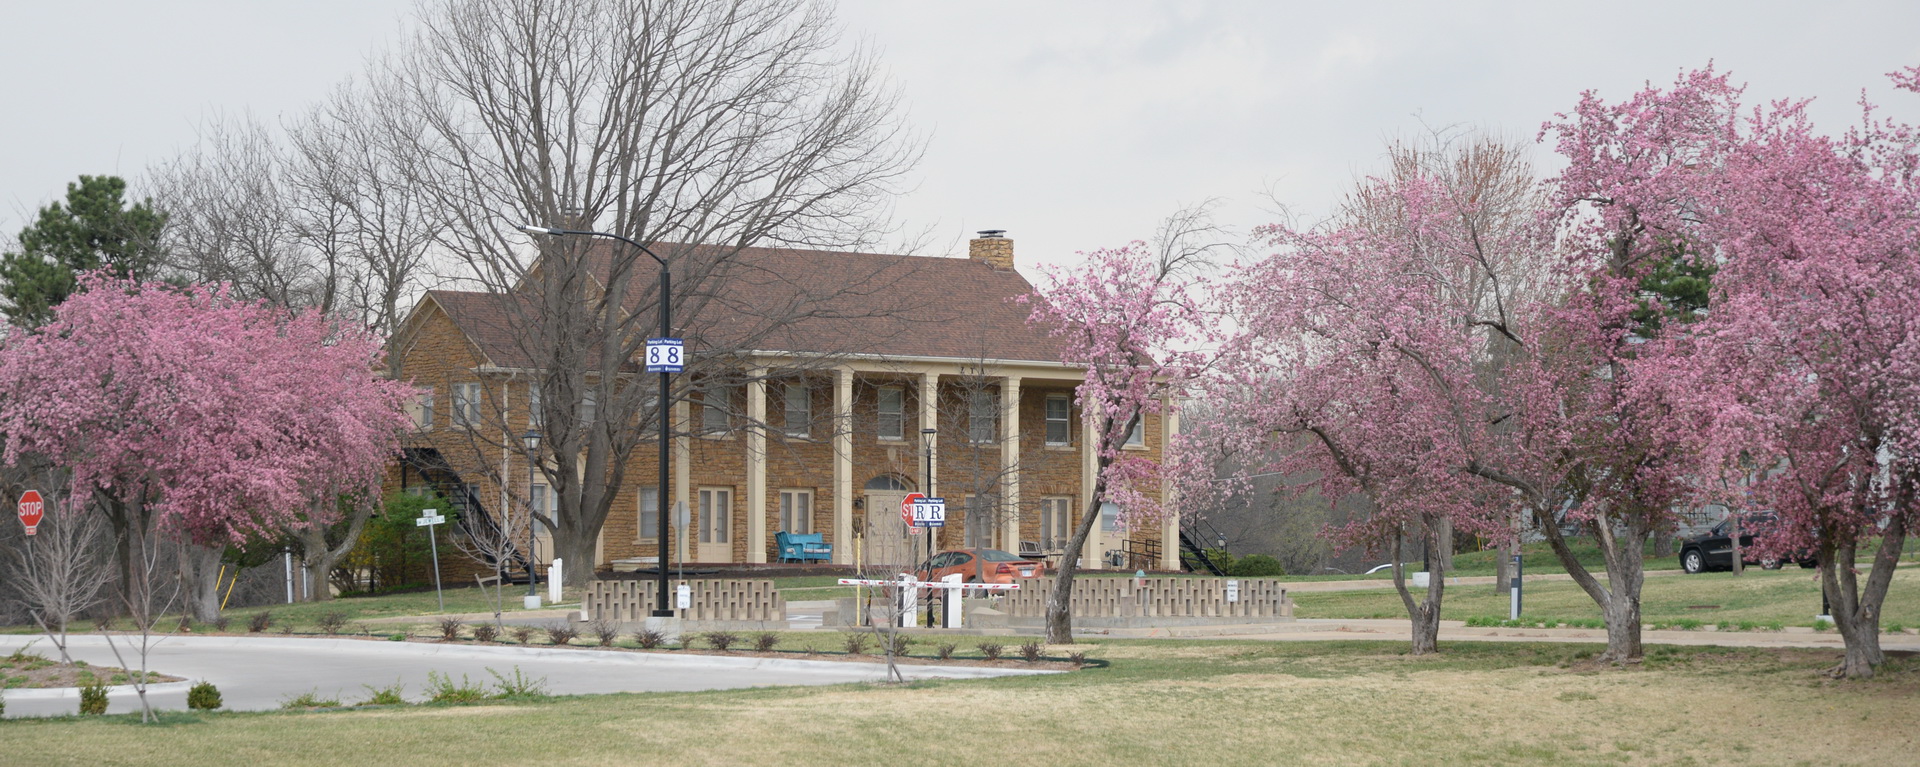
{"points": [[979, 566]]}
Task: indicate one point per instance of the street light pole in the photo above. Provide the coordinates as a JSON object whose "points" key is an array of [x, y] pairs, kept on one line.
{"points": [[662, 608], [926, 445], [532, 441]]}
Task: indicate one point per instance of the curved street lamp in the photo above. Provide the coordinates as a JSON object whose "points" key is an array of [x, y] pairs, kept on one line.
{"points": [[662, 607]]}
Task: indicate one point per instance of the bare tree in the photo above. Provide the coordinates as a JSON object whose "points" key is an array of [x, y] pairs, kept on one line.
{"points": [[146, 596], [60, 573], [698, 128], [235, 221]]}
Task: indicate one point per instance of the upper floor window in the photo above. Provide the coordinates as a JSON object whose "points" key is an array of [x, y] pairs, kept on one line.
{"points": [[1137, 436], [466, 404], [893, 408], [983, 413], [536, 417], [589, 407], [716, 410], [799, 407], [649, 521], [423, 410], [1059, 420]]}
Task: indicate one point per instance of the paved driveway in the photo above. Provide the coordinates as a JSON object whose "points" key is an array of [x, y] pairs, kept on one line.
{"points": [[258, 673]]}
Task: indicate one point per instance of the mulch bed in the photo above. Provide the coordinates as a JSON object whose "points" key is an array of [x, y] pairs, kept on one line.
{"points": [[31, 670]]}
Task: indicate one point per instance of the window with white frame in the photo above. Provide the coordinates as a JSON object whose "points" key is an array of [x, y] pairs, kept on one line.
{"points": [[982, 519], [716, 513], [1056, 514], [799, 402], [716, 411], [423, 411], [466, 404], [1059, 420], [796, 511], [536, 418], [589, 407], [893, 408], [1137, 436], [650, 414], [983, 415], [648, 501], [1109, 517]]}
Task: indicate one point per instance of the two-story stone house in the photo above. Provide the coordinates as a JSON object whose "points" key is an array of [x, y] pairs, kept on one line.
{"points": [[831, 447]]}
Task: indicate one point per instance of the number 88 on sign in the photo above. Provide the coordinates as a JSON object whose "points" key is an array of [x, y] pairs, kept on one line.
{"points": [[665, 355]]}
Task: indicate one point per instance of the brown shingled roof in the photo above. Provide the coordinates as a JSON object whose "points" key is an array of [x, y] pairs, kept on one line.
{"points": [[803, 302]]}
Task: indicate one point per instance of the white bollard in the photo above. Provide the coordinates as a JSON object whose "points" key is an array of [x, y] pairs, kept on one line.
{"points": [[953, 597], [554, 575], [909, 602]]}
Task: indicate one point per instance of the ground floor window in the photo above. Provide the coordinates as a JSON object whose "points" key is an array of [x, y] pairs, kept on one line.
{"points": [[1056, 513], [649, 513], [982, 513], [796, 511]]}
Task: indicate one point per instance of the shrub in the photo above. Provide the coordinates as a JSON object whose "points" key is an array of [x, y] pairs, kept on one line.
{"points": [[1687, 624], [331, 622], [1256, 566], [485, 632], [990, 650], [450, 628], [93, 698], [522, 634], [896, 644], [856, 644], [1030, 651], [517, 686], [1078, 659], [221, 623], [766, 641], [1822, 624], [259, 621], [397, 637], [605, 631], [286, 628], [649, 639], [1894, 628], [720, 640], [312, 699], [442, 689], [390, 695], [945, 650], [561, 633], [203, 696]]}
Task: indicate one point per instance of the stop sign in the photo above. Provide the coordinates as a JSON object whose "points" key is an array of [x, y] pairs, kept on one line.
{"points": [[906, 507], [31, 510]]}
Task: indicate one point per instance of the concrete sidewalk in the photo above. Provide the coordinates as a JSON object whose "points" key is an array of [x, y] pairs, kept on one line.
{"points": [[258, 673]]}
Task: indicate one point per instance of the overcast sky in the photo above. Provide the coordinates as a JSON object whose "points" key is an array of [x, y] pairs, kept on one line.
{"points": [[1073, 125]]}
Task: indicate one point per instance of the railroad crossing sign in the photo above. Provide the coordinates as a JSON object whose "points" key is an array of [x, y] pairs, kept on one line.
{"points": [[666, 355], [32, 510]]}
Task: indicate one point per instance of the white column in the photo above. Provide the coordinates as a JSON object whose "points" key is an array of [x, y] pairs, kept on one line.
{"points": [[843, 466], [1010, 463], [930, 443], [1089, 470], [1169, 497], [682, 477], [756, 505]]}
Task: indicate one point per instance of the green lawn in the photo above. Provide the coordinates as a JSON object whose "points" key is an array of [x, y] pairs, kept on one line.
{"points": [[1790, 597], [1176, 703]]}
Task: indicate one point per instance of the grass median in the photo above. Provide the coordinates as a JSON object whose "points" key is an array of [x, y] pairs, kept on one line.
{"points": [[1203, 703]]}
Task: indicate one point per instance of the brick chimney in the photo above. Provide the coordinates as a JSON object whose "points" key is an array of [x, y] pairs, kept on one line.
{"points": [[992, 247]]}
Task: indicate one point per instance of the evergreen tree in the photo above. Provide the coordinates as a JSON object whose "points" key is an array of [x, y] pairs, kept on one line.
{"points": [[94, 229]]}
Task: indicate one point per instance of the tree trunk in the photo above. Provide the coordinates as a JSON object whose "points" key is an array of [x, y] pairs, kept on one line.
{"points": [[1619, 599], [200, 579], [578, 552], [1856, 611], [1059, 619], [1437, 537]]}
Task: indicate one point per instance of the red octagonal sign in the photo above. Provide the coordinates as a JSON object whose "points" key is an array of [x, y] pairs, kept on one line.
{"points": [[31, 510], [906, 507]]}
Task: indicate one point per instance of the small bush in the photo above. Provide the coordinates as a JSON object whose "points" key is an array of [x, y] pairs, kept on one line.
{"points": [[485, 632], [990, 650], [286, 628], [765, 642], [450, 628], [1687, 624], [260, 621], [331, 622], [1894, 628], [203, 696], [945, 650], [606, 632], [1030, 651], [521, 634], [856, 644], [896, 644], [221, 623], [311, 699], [1256, 566], [1822, 624], [720, 640], [649, 639], [561, 633], [93, 698], [1078, 659], [442, 689], [391, 695], [399, 637], [518, 685]]}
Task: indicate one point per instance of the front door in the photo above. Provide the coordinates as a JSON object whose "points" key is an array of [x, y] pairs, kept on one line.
{"points": [[714, 525], [886, 551]]}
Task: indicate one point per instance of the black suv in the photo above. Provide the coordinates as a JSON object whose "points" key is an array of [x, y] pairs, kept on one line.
{"points": [[1713, 550]]}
